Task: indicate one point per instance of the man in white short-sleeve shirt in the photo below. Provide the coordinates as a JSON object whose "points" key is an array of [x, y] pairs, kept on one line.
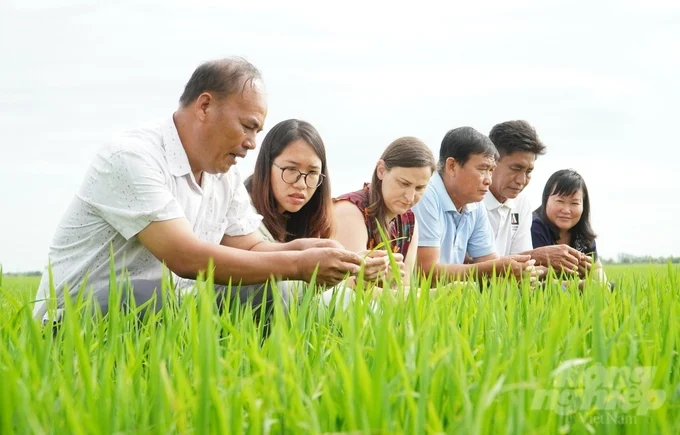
{"points": [[509, 210], [168, 193], [511, 223]]}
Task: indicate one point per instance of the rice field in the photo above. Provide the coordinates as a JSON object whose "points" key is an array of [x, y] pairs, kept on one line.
{"points": [[506, 359]]}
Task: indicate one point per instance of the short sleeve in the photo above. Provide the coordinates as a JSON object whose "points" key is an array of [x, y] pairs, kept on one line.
{"points": [[128, 189], [540, 233], [242, 217], [522, 240], [430, 223], [482, 241], [265, 234]]}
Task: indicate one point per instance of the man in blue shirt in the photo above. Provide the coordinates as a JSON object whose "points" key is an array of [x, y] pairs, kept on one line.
{"points": [[451, 219]]}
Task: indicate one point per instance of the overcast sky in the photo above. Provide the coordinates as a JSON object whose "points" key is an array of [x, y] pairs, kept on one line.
{"points": [[598, 80]]}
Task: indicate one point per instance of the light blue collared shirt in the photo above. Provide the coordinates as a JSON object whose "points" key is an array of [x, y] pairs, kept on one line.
{"points": [[441, 226]]}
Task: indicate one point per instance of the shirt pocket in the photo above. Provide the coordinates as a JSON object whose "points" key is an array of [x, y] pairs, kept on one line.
{"points": [[212, 232]]}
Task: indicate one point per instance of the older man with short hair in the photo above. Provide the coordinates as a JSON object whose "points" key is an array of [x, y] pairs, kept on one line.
{"points": [[452, 221], [170, 193], [509, 211]]}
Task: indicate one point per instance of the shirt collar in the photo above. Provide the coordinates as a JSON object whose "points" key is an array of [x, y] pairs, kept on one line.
{"points": [[492, 203], [443, 194], [174, 150]]}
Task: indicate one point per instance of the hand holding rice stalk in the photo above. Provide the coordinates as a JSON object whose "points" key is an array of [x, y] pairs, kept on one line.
{"points": [[395, 261]]}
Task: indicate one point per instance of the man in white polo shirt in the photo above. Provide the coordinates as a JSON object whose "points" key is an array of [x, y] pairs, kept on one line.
{"points": [[169, 193], [509, 211]]}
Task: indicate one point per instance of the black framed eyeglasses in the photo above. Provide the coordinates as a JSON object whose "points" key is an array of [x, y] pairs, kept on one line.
{"points": [[291, 175]]}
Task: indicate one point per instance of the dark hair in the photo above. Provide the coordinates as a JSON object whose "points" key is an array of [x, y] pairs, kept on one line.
{"points": [[222, 77], [566, 182], [462, 142], [405, 152], [512, 136], [315, 219]]}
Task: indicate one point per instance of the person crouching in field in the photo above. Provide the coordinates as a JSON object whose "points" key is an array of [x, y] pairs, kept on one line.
{"points": [[398, 182], [509, 209], [170, 194], [452, 220], [564, 218], [291, 190], [289, 187]]}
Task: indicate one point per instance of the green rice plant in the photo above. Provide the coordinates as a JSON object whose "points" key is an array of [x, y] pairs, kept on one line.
{"points": [[495, 357]]}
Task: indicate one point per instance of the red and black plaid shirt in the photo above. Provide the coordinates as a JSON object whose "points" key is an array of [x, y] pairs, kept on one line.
{"points": [[401, 227]]}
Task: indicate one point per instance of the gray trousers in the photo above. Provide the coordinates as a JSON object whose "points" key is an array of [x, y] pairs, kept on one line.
{"points": [[258, 294]]}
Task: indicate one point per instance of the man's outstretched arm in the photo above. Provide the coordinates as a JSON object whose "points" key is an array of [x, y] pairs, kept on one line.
{"points": [[255, 242], [174, 243], [428, 261], [560, 257]]}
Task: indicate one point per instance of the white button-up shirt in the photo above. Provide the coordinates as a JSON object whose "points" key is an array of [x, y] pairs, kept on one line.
{"points": [[141, 177], [511, 223]]}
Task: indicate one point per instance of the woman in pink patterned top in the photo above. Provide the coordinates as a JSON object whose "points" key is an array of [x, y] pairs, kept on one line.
{"points": [[399, 180]]}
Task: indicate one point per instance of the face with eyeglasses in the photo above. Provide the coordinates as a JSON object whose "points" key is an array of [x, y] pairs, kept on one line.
{"points": [[295, 176]]}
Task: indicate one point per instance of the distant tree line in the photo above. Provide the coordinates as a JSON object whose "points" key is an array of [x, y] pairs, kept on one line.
{"points": [[30, 273], [637, 259]]}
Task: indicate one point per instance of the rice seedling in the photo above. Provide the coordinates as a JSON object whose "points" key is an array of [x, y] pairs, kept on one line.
{"points": [[502, 357]]}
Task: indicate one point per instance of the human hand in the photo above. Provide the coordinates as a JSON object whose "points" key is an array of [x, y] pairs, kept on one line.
{"points": [[520, 266], [585, 265], [332, 265], [308, 243], [541, 272], [376, 264], [562, 258], [399, 259]]}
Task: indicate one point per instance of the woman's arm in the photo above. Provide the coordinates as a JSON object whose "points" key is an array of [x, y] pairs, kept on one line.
{"points": [[352, 234], [350, 228]]}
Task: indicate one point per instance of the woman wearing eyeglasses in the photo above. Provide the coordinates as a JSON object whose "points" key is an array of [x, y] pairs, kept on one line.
{"points": [[290, 189], [289, 186]]}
